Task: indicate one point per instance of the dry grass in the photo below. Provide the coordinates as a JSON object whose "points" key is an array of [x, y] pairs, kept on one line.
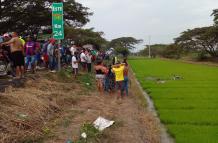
{"points": [[49, 107], [24, 112]]}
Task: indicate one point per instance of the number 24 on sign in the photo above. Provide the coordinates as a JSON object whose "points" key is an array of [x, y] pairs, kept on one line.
{"points": [[58, 33]]}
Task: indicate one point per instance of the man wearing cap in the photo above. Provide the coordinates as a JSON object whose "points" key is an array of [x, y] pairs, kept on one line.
{"points": [[17, 54], [51, 54]]}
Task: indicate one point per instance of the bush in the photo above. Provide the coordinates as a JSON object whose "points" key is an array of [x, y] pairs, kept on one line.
{"points": [[202, 56]]}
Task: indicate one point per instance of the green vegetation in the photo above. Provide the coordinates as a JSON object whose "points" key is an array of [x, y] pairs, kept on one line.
{"points": [[123, 45], [87, 80], [92, 133], [36, 14], [185, 96]]}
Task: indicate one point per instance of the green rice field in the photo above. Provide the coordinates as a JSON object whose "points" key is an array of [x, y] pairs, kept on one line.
{"points": [[185, 97]]}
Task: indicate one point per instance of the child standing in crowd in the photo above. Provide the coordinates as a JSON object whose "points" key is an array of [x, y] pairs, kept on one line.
{"points": [[75, 65]]}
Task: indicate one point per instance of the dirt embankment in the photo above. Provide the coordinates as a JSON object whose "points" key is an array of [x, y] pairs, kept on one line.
{"points": [[51, 110]]}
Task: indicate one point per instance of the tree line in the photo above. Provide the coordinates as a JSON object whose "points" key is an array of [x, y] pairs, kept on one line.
{"points": [[33, 17], [201, 42]]}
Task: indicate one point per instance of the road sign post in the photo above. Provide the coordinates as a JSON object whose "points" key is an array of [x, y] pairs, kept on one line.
{"points": [[57, 21], [58, 26]]}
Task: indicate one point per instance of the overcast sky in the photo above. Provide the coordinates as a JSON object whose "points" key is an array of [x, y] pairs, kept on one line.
{"points": [[163, 20]]}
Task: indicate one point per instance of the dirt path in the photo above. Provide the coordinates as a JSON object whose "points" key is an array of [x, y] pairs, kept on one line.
{"points": [[133, 124], [56, 111]]}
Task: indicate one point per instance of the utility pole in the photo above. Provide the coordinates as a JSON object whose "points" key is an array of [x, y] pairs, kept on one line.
{"points": [[149, 46]]}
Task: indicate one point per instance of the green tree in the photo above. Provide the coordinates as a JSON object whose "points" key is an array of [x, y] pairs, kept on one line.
{"points": [[172, 51], [215, 14], [200, 39], [123, 45], [156, 50], [29, 16], [86, 36], [163, 50]]}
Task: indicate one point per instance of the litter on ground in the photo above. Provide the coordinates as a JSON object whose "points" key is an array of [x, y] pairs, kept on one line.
{"points": [[102, 123]]}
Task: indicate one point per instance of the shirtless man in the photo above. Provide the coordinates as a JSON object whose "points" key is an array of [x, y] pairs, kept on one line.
{"points": [[17, 54]]}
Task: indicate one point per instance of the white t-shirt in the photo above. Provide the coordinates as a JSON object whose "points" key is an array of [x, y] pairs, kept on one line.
{"points": [[74, 65], [83, 57], [72, 50], [89, 58]]}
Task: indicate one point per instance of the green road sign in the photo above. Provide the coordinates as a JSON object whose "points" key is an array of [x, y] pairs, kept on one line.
{"points": [[57, 21]]}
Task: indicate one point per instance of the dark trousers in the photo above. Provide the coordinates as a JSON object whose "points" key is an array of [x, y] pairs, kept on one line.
{"points": [[89, 66]]}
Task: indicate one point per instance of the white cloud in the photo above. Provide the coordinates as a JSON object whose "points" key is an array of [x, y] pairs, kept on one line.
{"points": [[162, 19]]}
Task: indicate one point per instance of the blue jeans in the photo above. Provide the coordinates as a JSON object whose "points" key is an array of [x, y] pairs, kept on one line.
{"points": [[51, 62], [125, 84], [30, 60], [106, 83]]}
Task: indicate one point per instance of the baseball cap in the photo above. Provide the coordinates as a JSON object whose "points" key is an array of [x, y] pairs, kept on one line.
{"points": [[6, 35]]}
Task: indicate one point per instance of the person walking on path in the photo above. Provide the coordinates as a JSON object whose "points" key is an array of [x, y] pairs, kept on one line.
{"points": [[17, 54], [118, 69]]}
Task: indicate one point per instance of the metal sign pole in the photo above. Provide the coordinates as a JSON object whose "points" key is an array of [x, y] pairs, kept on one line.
{"points": [[59, 55], [58, 27]]}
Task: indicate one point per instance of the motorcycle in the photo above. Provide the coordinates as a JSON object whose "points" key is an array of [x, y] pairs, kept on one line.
{"points": [[5, 64]]}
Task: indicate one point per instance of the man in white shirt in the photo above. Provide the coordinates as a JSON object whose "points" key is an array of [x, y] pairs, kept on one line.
{"points": [[75, 65], [83, 60], [73, 49]]}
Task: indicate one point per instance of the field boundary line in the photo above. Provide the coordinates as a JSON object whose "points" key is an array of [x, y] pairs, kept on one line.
{"points": [[164, 136], [211, 64]]}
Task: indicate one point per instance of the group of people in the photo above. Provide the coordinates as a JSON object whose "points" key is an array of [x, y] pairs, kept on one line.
{"points": [[31, 54], [83, 57], [27, 54], [113, 77]]}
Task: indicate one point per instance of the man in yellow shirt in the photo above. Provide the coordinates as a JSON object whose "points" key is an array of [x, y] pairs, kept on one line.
{"points": [[118, 70]]}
